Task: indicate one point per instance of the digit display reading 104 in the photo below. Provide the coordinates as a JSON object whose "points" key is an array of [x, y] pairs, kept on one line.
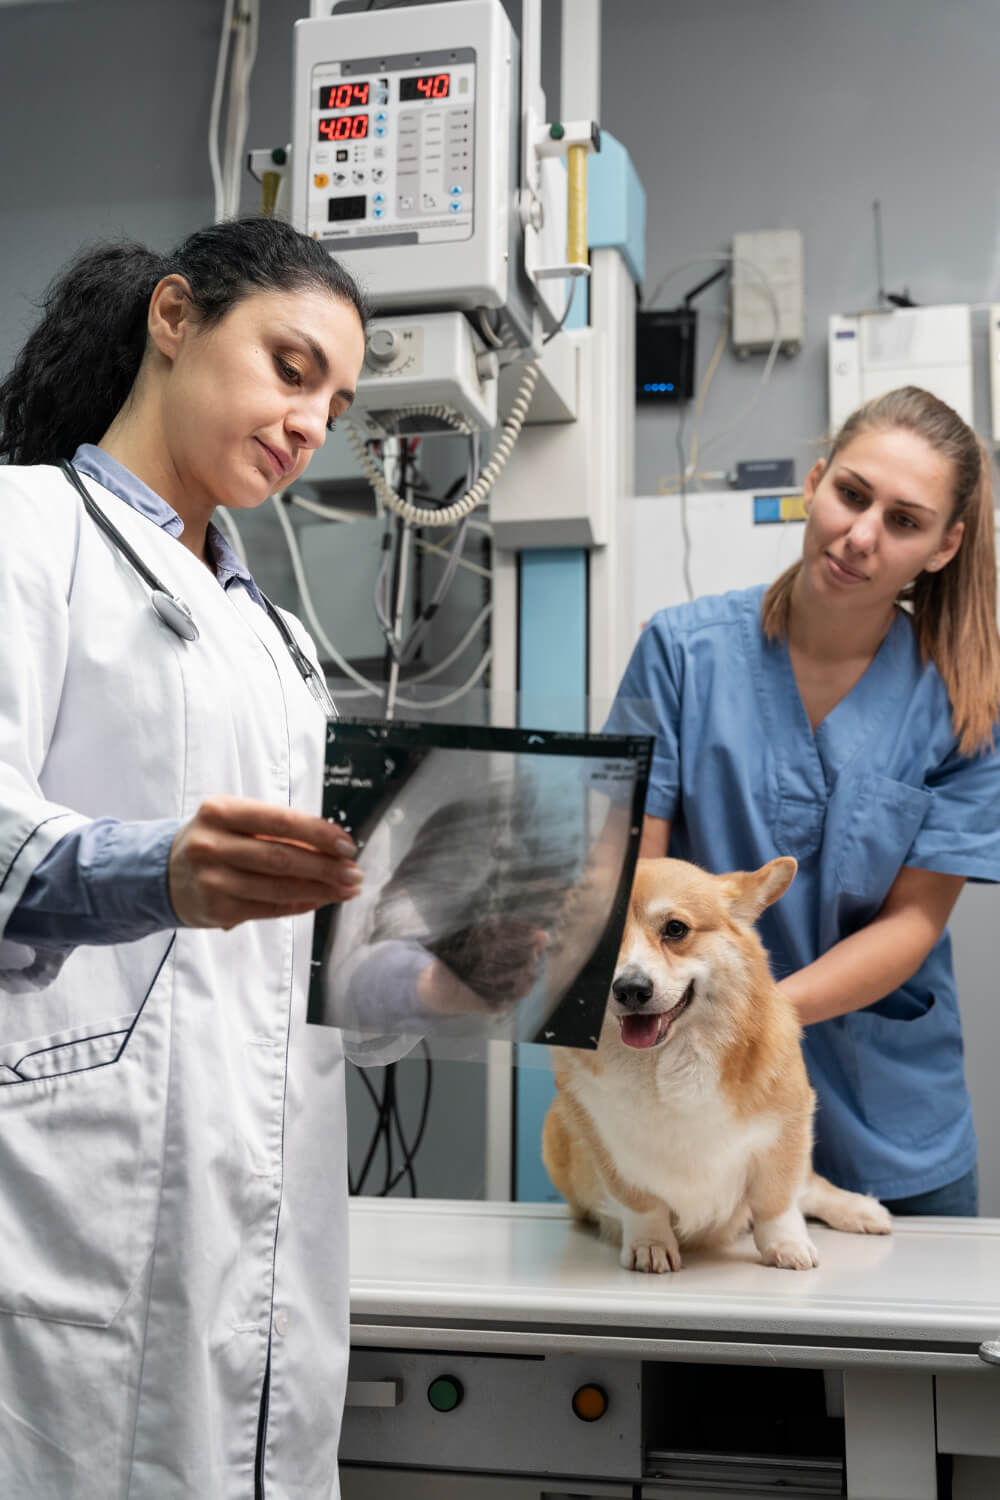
{"points": [[343, 128], [430, 86], [343, 95]]}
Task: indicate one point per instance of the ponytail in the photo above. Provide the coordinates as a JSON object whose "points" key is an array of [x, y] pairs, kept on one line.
{"points": [[955, 617], [78, 367], [954, 610]]}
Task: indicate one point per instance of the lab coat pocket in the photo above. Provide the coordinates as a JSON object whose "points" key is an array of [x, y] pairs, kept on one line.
{"points": [[908, 1056], [81, 1137], [878, 820]]}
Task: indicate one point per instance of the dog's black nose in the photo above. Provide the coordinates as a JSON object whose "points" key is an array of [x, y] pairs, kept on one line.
{"points": [[633, 989]]}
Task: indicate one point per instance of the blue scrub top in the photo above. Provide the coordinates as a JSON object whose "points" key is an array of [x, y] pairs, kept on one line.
{"points": [[880, 784]]}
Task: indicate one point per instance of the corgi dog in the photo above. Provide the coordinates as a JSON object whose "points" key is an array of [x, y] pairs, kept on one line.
{"points": [[693, 1118]]}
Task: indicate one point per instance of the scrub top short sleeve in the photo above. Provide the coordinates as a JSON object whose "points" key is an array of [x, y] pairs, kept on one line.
{"points": [[960, 834], [654, 676]]}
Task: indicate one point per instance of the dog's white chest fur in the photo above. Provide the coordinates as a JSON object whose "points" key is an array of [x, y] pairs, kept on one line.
{"points": [[679, 1140]]}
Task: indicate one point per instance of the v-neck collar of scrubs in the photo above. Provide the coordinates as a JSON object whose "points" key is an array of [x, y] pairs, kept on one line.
{"points": [[852, 722], [808, 762]]}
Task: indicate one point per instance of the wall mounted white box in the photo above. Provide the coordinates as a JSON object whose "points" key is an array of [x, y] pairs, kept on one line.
{"points": [[777, 254], [871, 353]]}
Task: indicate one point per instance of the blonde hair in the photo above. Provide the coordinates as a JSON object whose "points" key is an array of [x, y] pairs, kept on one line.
{"points": [[954, 610]]}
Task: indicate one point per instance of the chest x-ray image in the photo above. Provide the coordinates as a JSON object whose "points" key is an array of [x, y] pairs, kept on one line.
{"points": [[497, 868]]}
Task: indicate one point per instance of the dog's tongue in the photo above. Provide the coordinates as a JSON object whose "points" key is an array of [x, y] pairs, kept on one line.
{"points": [[640, 1031]]}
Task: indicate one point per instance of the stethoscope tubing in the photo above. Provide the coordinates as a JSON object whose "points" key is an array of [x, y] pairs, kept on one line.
{"points": [[176, 613]]}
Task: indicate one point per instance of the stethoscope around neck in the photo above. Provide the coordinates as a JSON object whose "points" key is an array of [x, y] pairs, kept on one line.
{"points": [[175, 612]]}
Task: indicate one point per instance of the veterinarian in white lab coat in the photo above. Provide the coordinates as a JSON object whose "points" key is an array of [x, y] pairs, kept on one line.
{"points": [[822, 719], [173, 1274]]}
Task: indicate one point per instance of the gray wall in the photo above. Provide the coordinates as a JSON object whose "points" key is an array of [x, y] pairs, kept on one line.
{"points": [[768, 114], [739, 114]]}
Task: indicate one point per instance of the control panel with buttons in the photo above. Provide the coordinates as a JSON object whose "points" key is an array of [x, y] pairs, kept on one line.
{"points": [[424, 103], [573, 1415], [410, 124]]}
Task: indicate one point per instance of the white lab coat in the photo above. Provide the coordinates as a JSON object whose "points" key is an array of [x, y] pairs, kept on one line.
{"points": [[172, 1144]]}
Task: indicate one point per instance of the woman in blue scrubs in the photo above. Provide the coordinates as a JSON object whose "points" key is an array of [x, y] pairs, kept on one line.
{"points": [[821, 719]]}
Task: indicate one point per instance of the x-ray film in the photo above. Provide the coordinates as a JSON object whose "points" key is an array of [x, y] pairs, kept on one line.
{"points": [[497, 867]]}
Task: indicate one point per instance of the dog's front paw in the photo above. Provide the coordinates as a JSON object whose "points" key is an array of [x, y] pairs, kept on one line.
{"points": [[652, 1256], [791, 1254], [866, 1216]]}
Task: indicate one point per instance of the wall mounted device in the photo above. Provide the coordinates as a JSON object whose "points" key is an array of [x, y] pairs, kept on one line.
{"points": [[419, 158], [405, 154], [442, 376], [768, 291], [871, 353], [665, 354]]}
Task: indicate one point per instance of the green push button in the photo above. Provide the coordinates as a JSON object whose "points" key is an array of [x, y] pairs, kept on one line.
{"points": [[445, 1393]]}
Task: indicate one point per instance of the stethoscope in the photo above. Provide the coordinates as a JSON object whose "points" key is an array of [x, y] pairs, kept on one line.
{"points": [[175, 612]]}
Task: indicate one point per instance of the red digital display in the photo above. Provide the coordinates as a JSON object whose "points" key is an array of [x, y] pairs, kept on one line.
{"points": [[343, 95], [343, 128], [430, 86]]}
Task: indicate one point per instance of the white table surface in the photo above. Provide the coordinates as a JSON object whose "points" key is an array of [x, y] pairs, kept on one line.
{"points": [[933, 1285]]}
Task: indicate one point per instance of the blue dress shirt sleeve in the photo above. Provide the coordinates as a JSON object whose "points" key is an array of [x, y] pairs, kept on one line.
{"points": [[101, 884]]}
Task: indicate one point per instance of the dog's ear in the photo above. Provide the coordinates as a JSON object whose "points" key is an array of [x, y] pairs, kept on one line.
{"points": [[749, 892]]}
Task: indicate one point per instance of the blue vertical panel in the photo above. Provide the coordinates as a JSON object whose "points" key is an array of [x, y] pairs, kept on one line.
{"points": [[552, 671]]}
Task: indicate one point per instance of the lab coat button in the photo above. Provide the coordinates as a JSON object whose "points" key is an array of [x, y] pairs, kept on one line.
{"points": [[281, 1321]]}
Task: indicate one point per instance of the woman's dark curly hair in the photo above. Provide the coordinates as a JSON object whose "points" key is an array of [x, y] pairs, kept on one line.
{"points": [[78, 367]]}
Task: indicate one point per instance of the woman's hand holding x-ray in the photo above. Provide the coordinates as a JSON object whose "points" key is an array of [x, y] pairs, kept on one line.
{"points": [[239, 860]]}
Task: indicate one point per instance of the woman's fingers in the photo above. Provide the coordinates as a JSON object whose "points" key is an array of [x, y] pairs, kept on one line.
{"points": [[238, 860], [241, 815], [270, 857]]}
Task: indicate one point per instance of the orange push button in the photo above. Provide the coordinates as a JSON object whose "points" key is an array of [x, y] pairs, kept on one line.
{"points": [[321, 180], [590, 1403]]}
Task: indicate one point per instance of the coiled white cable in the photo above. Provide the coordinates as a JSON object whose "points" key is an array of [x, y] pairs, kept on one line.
{"points": [[421, 515]]}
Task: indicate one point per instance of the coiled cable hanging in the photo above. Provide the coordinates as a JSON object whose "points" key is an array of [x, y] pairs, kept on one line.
{"points": [[450, 515]]}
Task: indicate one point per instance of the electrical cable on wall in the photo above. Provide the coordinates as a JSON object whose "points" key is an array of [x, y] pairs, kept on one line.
{"points": [[566, 312], [713, 258], [389, 1122], [689, 466], [369, 689], [331, 513]]}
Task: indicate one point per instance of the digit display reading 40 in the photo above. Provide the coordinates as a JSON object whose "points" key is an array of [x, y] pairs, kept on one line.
{"points": [[343, 128], [430, 86]]}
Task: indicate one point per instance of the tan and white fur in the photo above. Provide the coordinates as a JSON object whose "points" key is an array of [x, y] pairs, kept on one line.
{"points": [[693, 1118]]}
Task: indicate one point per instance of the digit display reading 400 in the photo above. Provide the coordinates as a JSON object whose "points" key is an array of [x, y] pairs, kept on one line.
{"points": [[430, 86], [343, 128]]}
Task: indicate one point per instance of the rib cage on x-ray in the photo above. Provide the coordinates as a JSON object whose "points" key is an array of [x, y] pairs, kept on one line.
{"points": [[505, 855], [484, 874]]}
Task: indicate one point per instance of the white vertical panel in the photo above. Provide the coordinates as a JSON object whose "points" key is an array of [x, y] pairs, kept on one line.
{"points": [[889, 1434]]}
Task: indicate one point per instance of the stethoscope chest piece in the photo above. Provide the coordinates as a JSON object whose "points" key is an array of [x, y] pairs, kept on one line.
{"points": [[175, 613]]}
